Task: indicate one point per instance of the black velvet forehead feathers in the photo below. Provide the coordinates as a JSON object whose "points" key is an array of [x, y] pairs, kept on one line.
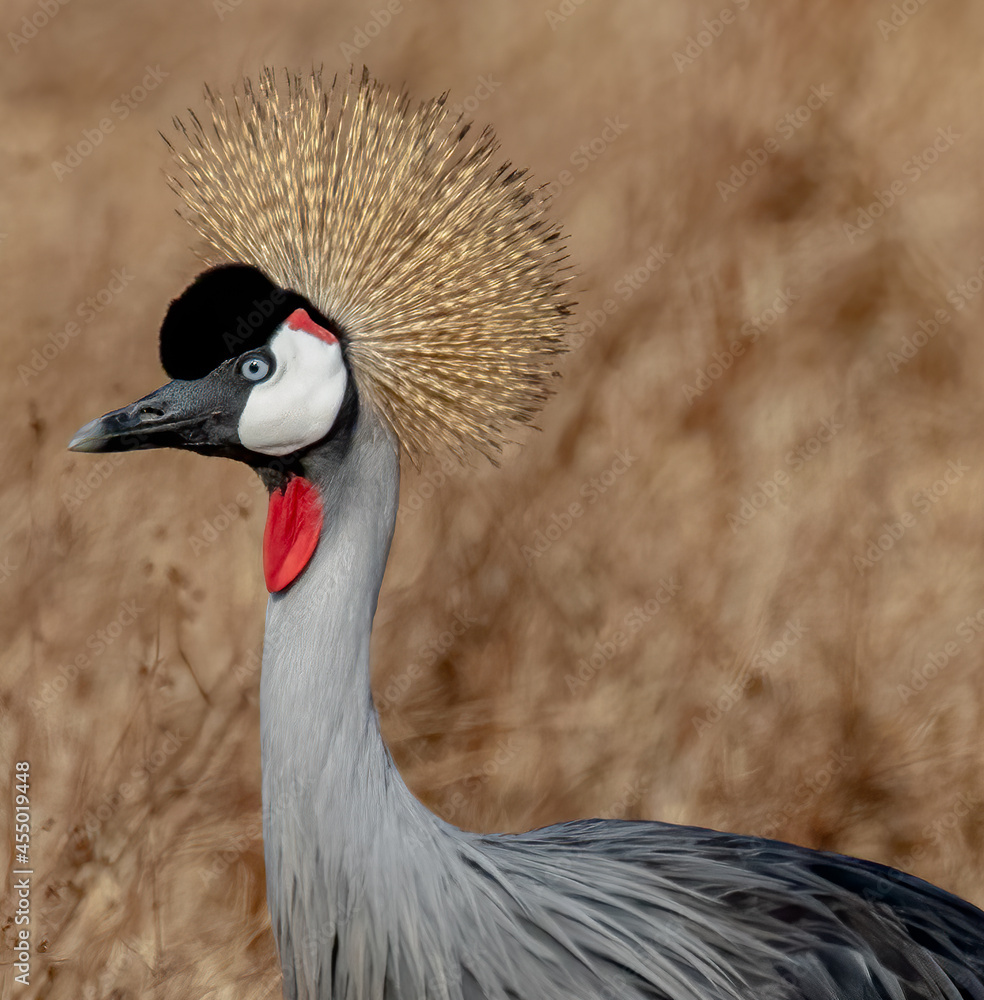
{"points": [[225, 312]]}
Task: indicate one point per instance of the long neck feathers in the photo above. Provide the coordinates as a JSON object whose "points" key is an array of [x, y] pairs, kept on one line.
{"points": [[341, 829]]}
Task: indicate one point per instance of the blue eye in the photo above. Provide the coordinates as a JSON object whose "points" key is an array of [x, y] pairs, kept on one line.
{"points": [[255, 368]]}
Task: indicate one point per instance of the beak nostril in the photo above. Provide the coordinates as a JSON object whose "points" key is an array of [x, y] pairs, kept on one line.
{"points": [[150, 411]]}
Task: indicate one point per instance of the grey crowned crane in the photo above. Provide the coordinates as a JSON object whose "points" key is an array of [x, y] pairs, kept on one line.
{"points": [[379, 282]]}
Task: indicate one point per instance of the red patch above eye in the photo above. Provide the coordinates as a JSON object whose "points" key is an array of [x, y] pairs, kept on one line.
{"points": [[299, 320], [293, 527]]}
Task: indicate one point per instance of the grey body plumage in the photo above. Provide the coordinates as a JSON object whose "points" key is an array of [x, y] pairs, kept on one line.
{"points": [[407, 297]]}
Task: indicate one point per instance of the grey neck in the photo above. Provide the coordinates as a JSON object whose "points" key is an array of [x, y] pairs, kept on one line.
{"points": [[315, 699], [340, 826]]}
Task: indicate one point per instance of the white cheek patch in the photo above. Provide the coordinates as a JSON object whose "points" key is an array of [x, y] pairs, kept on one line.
{"points": [[299, 402]]}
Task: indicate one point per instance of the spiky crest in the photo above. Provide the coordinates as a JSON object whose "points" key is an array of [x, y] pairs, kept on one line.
{"points": [[440, 268]]}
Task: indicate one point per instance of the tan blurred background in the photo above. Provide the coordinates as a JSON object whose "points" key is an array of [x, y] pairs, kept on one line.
{"points": [[770, 423]]}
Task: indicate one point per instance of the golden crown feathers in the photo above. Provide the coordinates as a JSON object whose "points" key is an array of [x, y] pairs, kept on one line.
{"points": [[440, 266]]}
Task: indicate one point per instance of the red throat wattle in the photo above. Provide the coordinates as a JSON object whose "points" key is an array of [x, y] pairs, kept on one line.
{"points": [[293, 526]]}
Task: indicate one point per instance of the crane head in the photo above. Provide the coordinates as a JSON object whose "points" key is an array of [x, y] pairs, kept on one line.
{"points": [[257, 373]]}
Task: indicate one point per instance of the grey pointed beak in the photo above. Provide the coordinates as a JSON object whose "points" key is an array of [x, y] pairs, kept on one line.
{"points": [[178, 415]]}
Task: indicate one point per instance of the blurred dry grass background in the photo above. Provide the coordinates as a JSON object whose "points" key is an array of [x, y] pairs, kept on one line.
{"points": [[145, 761]]}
